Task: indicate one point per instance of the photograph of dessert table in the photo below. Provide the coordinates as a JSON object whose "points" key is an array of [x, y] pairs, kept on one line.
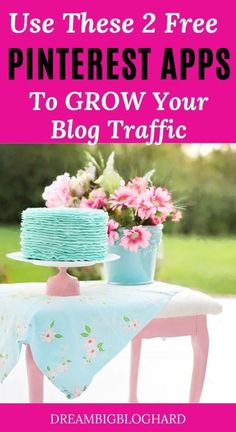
{"points": [[130, 339]]}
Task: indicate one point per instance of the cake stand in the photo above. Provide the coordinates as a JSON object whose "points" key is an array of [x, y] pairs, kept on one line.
{"points": [[62, 284]]}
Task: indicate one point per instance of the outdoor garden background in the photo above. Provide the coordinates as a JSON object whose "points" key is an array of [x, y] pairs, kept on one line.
{"points": [[198, 252]]}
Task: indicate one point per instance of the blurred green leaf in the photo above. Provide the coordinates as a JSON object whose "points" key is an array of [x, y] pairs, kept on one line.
{"points": [[110, 180]]}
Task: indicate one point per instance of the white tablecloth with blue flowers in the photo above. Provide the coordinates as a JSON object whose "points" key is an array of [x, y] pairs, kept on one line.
{"points": [[72, 338]]}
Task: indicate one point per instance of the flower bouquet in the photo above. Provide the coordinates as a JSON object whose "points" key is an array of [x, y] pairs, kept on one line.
{"points": [[137, 211]]}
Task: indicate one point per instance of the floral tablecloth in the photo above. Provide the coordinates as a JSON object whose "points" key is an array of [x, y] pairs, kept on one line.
{"points": [[72, 338]]}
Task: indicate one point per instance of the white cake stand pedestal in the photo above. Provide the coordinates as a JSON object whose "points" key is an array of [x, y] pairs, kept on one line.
{"points": [[62, 284]]}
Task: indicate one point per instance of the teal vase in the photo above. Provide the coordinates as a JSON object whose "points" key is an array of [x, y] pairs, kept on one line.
{"points": [[134, 268]]}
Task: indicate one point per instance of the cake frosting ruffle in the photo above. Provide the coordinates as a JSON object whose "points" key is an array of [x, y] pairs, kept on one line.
{"points": [[64, 234]]}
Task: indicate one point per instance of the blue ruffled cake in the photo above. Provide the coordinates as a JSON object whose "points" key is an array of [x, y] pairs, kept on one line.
{"points": [[64, 234]]}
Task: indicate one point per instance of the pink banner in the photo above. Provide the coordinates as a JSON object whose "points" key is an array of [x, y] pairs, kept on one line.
{"points": [[117, 417], [97, 72]]}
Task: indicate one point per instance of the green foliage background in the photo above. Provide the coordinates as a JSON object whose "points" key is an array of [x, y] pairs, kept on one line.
{"points": [[205, 186]]}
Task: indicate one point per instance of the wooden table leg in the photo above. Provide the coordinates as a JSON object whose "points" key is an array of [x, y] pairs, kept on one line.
{"points": [[35, 378], [136, 346], [200, 343]]}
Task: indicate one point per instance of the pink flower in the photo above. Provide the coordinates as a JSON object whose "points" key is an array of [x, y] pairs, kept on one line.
{"points": [[48, 335], [160, 196], [85, 203], [113, 235], [156, 220], [90, 342], [145, 208], [138, 184], [134, 324], [96, 200], [161, 199], [92, 352], [177, 216], [124, 196], [135, 237], [98, 196], [58, 194]]}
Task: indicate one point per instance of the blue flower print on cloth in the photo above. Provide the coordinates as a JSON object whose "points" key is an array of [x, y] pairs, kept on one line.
{"points": [[72, 338]]}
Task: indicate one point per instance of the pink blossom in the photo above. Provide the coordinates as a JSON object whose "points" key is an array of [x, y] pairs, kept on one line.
{"points": [[138, 184], [160, 196], [99, 197], [134, 324], [145, 208], [90, 342], [58, 194], [113, 235], [96, 200], [156, 220], [135, 237], [161, 199], [85, 203], [177, 216], [124, 196], [92, 352], [48, 335]]}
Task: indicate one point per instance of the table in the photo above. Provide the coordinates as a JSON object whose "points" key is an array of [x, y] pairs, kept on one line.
{"points": [[185, 315], [72, 337]]}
